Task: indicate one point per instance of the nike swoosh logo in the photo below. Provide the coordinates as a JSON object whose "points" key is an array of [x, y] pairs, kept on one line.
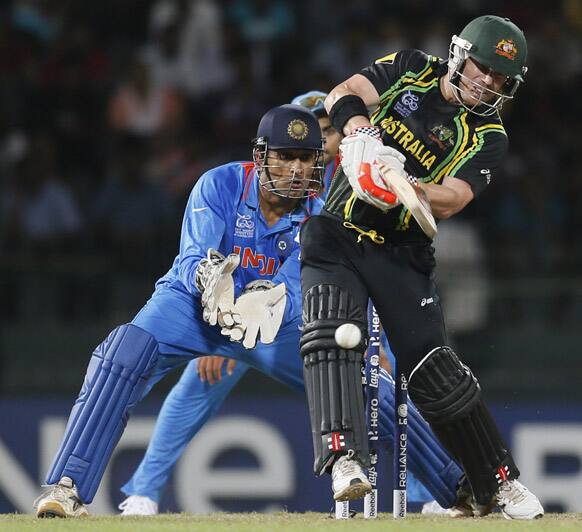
{"points": [[199, 209]]}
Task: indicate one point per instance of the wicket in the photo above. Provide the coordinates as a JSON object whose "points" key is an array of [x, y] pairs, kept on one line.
{"points": [[370, 379], [372, 376], [400, 446]]}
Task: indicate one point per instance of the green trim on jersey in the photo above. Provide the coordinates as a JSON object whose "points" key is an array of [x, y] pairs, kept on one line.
{"points": [[478, 141], [459, 155], [460, 121], [418, 85]]}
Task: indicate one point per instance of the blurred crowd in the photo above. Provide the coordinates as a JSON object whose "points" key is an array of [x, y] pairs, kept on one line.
{"points": [[110, 111]]}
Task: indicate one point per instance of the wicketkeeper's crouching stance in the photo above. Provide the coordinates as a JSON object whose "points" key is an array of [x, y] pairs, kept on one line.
{"points": [[431, 143]]}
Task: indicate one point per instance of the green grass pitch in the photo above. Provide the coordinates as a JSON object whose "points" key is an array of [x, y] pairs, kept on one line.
{"points": [[290, 522]]}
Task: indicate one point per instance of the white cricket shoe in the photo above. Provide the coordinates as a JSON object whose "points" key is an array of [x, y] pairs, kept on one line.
{"points": [[60, 500], [460, 510], [138, 505], [465, 505], [433, 508], [517, 502], [349, 481]]}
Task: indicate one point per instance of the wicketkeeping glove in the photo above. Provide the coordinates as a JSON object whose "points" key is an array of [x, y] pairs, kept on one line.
{"points": [[259, 309], [215, 282]]}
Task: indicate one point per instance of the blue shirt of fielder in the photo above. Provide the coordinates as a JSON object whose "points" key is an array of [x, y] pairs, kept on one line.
{"points": [[223, 213]]}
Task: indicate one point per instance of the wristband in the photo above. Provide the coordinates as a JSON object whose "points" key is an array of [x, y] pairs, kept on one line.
{"points": [[371, 131], [412, 180], [344, 109]]}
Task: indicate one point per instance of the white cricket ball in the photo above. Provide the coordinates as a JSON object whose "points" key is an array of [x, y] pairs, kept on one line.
{"points": [[348, 336]]}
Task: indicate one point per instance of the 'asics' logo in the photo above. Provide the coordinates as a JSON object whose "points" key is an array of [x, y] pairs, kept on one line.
{"points": [[199, 209], [426, 301]]}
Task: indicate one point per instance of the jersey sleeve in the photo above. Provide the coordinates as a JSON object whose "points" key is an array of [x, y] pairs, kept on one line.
{"points": [[387, 70], [203, 225], [479, 162]]}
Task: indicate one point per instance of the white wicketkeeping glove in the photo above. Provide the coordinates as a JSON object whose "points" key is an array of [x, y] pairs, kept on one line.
{"points": [[215, 282], [360, 153], [260, 308]]}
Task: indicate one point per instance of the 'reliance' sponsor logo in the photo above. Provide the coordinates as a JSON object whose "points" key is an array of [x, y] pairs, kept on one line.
{"points": [[506, 48]]}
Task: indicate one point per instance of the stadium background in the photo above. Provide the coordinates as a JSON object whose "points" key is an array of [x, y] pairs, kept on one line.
{"points": [[110, 111]]}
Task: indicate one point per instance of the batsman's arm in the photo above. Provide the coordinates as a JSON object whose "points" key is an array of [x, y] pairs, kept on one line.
{"points": [[360, 86], [471, 177], [447, 199]]}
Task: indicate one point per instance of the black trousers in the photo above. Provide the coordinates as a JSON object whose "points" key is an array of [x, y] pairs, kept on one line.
{"points": [[398, 277]]}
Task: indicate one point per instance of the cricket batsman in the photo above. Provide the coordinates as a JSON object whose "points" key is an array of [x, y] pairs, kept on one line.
{"points": [[431, 143]]}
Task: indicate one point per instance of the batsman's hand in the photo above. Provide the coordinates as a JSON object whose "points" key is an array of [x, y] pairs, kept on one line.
{"points": [[210, 368], [216, 284], [259, 309], [359, 147], [360, 153]]}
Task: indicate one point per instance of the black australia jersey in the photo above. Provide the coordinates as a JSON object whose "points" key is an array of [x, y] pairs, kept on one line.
{"points": [[437, 137]]}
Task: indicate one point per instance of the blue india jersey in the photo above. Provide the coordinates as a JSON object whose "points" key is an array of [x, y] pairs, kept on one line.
{"points": [[223, 213]]}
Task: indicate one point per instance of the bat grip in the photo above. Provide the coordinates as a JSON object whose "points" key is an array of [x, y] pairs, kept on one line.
{"points": [[368, 185]]}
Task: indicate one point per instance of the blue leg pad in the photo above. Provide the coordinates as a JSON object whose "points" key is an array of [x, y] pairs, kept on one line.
{"points": [[114, 383], [427, 459]]}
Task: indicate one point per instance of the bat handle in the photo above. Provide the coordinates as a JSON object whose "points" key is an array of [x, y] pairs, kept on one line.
{"points": [[368, 185]]}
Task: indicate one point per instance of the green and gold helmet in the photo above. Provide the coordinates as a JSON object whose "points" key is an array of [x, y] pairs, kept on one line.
{"points": [[496, 43]]}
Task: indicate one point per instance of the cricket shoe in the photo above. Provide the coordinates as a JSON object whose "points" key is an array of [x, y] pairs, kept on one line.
{"points": [[138, 505], [460, 510], [433, 508], [60, 500], [517, 502], [349, 481], [465, 505]]}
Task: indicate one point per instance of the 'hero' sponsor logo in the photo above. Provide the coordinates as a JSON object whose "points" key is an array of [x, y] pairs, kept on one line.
{"points": [[401, 134], [256, 261]]}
